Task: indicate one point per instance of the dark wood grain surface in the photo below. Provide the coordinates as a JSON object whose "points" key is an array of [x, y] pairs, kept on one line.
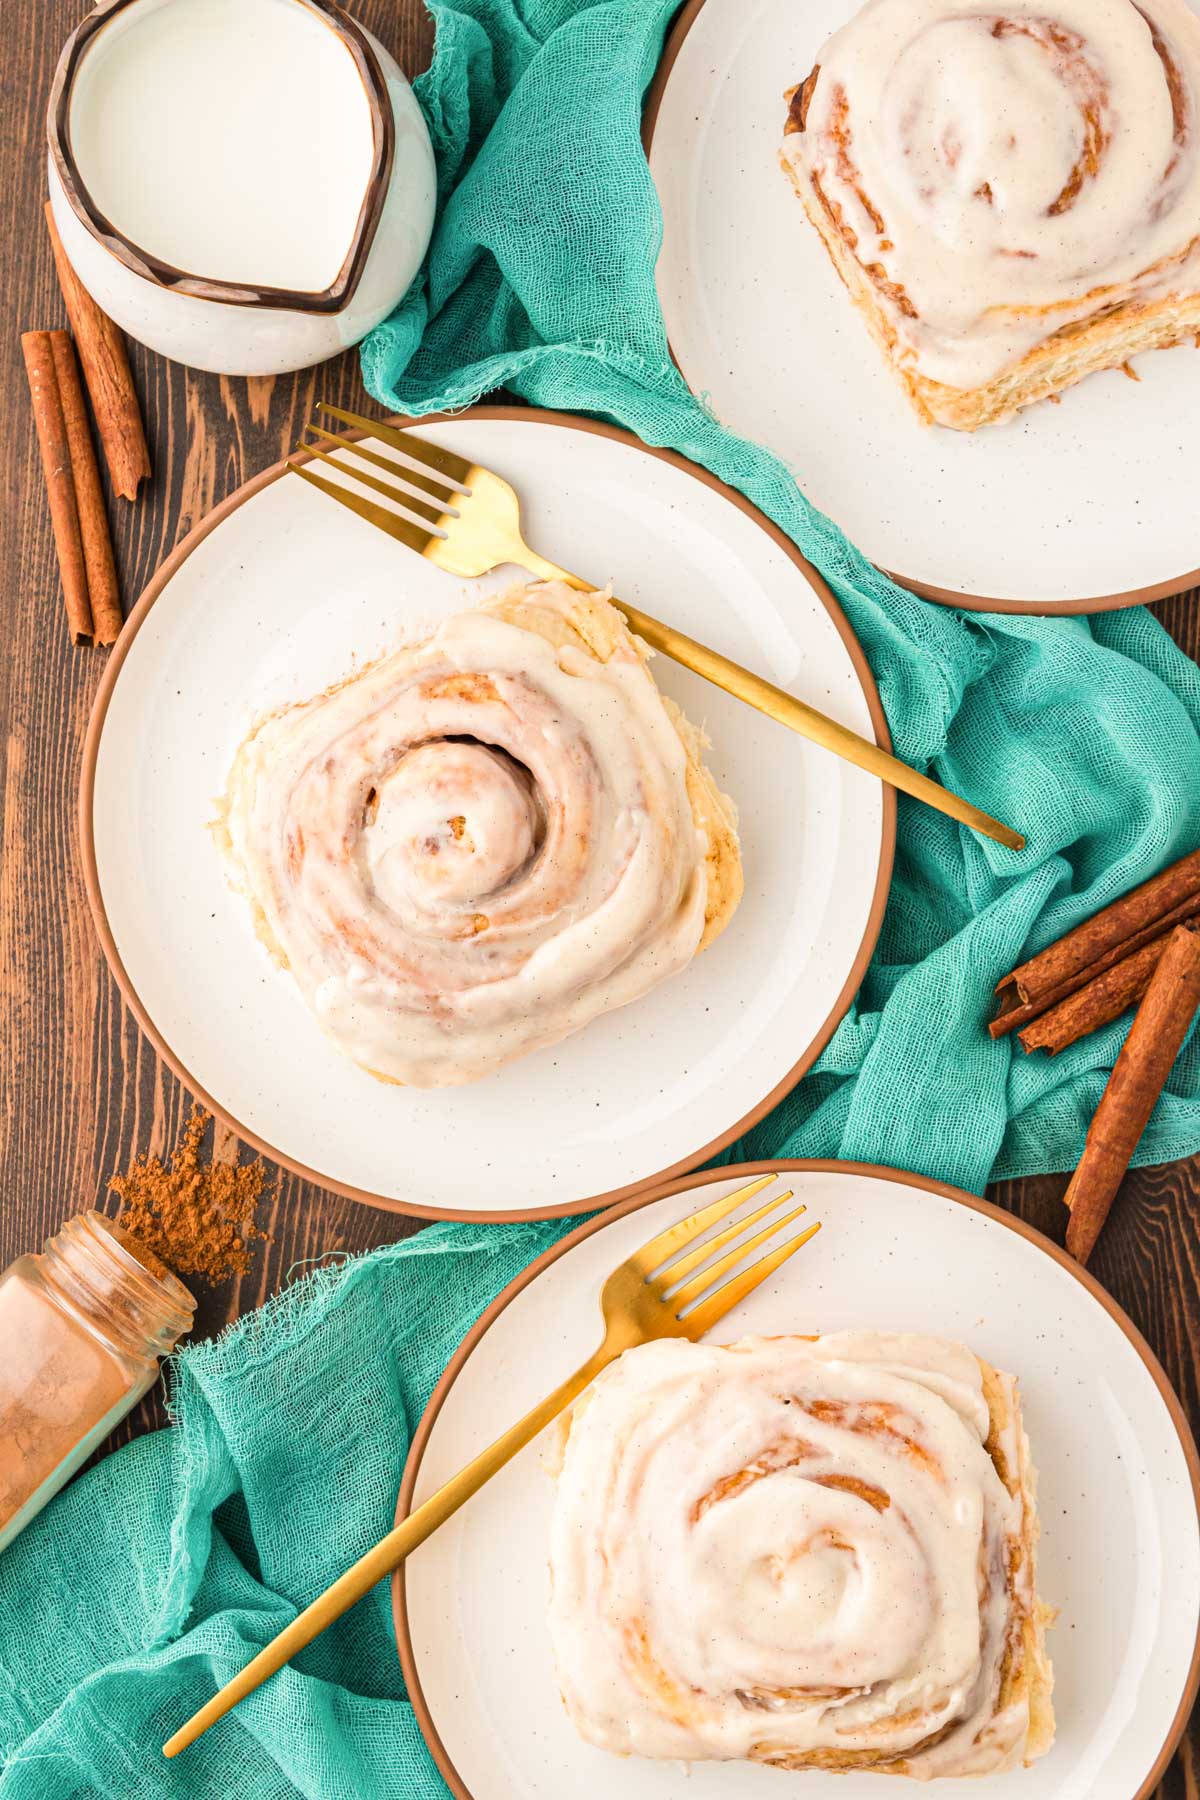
{"points": [[81, 1092]]}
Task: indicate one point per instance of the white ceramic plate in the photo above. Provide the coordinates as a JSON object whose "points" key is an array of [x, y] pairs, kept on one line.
{"points": [[274, 597], [1120, 1552], [1075, 506]]}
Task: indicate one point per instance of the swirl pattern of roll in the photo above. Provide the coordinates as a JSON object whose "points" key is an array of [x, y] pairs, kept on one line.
{"points": [[476, 845], [812, 1553], [1011, 193]]}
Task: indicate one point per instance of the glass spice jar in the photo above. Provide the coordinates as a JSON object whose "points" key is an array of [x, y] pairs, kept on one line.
{"points": [[82, 1327]]}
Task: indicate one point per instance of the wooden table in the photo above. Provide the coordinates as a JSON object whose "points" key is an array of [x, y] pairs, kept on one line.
{"points": [[81, 1092]]}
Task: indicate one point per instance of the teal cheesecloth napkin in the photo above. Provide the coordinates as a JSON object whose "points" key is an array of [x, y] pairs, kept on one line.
{"points": [[158, 1573]]}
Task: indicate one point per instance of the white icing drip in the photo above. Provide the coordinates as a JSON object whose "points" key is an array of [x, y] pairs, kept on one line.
{"points": [[688, 1606], [472, 848], [968, 124]]}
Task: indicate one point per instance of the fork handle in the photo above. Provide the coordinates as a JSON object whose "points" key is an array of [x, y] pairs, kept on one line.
{"points": [[783, 707], [388, 1554]]}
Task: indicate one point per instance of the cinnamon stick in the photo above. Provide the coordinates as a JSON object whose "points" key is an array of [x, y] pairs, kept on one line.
{"points": [[1097, 1004], [1018, 1014], [1102, 940], [106, 371], [1137, 1080], [103, 593], [60, 482]]}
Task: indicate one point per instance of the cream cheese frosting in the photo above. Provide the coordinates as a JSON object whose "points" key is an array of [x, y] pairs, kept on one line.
{"points": [[1003, 171], [794, 1549], [474, 846]]}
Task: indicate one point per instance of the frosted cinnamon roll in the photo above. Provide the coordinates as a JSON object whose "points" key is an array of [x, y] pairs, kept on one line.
{"points": [[476, 845], [1011, 193], [813, 1553]]}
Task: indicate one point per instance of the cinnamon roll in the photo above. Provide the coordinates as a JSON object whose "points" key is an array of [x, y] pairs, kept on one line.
{"points": [[476, 845], [806, 1552], [1011, 193]]}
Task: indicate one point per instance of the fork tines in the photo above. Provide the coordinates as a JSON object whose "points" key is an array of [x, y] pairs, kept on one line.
{"points": [[454, 470], [430, 470], [683, 1272]]}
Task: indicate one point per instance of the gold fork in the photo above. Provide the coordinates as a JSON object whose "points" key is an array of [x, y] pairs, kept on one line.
{"points": [[655, 1293], [475, 527]]}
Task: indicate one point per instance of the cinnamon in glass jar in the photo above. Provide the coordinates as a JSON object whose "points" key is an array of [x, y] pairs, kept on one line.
{"points": [[82, 1328]]}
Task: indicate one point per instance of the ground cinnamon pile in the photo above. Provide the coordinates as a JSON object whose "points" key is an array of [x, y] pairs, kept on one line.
{"points": [[198, 1216]]}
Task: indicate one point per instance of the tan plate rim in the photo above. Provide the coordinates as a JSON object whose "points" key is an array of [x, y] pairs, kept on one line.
{"points": [[738, 1171], [587, 1203], [1158, 590]]}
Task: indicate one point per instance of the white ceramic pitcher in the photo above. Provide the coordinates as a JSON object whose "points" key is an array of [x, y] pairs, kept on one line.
{"points": [[244, 185]]}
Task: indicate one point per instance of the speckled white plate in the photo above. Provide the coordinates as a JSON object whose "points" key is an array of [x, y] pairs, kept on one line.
{"points": [[1118, 1490], [1076, 507], [276, 595]]}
